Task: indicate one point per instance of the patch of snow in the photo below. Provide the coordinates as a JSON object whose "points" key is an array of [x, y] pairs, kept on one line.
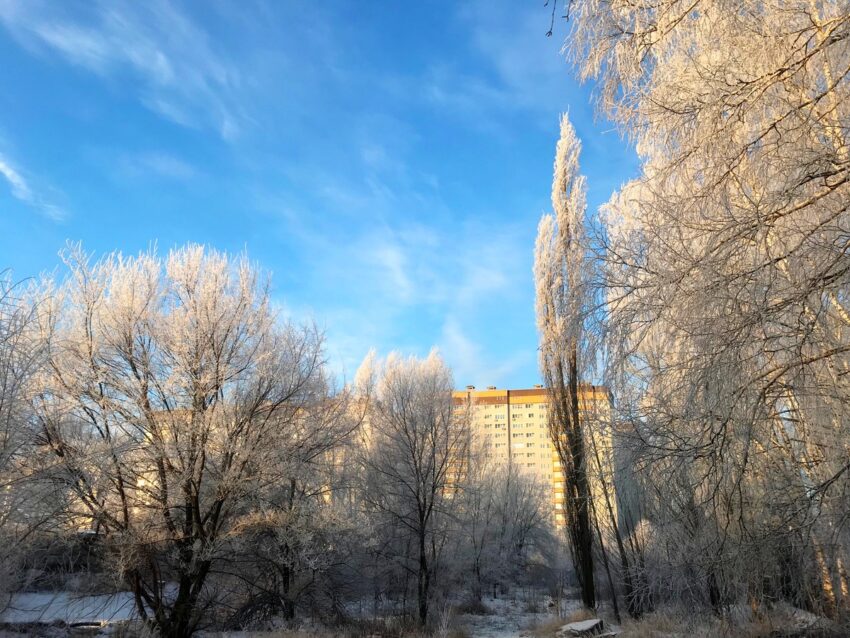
{"points": [[68, 607], [507, 619], [587, 627]]}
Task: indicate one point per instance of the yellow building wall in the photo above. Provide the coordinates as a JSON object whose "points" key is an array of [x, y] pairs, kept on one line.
{"points": [[512, 426]]}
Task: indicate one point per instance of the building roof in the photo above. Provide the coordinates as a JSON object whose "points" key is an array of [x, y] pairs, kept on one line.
{"points": [[537, 394]]}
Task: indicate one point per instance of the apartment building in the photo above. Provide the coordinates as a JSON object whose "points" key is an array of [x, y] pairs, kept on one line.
{"points": [[512, 426]]}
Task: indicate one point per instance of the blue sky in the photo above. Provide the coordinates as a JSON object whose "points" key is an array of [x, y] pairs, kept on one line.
{"points": [[387, 162]]}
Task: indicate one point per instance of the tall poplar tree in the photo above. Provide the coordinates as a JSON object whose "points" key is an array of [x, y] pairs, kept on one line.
{"points": [[560, 254]]}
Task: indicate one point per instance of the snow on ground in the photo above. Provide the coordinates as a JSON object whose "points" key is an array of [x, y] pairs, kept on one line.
{"points": [[508, 619], [68, 608]]}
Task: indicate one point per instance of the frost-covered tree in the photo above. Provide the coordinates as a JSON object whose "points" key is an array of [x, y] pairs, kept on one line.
{"points": [[559, 272], [289, 540], [504, 525], [728, 282], [414, 462], [173, 403], [569, 289], [23, 507]]}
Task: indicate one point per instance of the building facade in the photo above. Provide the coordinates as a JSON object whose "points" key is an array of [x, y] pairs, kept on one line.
{"points": [[512, 426]]}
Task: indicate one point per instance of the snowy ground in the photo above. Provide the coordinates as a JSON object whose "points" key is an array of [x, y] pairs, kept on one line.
{"points": [[508, 619], [68, 608]]}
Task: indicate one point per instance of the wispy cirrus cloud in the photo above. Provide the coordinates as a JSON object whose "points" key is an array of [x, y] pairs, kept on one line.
{"points": [[157, 164], [21, 190], [473, 363], [529, 68], [521, 70], [343, 182], [400, 283], [178, 73]]}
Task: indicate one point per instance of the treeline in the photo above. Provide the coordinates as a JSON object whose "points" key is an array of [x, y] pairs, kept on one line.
{"points": [[711, 294], [165, 432]]}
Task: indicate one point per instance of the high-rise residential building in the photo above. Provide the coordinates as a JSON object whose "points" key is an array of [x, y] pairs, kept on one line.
{"points": [[512, 426]]}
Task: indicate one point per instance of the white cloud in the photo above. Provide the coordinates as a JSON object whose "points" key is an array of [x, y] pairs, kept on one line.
{"points": [[21, 190], [473, 365], [180, 75], [401, 286], [465, 353], [531, 69], [169, 166], [394, 269], [157, 163], [523, 70]]}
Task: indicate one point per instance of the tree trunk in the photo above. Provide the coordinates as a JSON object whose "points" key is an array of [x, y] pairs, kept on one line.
{"points": [[583, 536], [424, 582], [631, 600], [604, 552]]}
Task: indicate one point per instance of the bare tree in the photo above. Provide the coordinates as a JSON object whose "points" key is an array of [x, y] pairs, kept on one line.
{"points": [[171, 395], [287, 540], [415, 462], [504, 524]]}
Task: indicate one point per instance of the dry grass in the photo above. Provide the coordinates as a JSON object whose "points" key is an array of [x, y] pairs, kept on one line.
{"points": [[280, 633], [653, 625], [667, 623], [319, 633], [580, 614], [547, 628], [395, 628], [680, 625]]}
